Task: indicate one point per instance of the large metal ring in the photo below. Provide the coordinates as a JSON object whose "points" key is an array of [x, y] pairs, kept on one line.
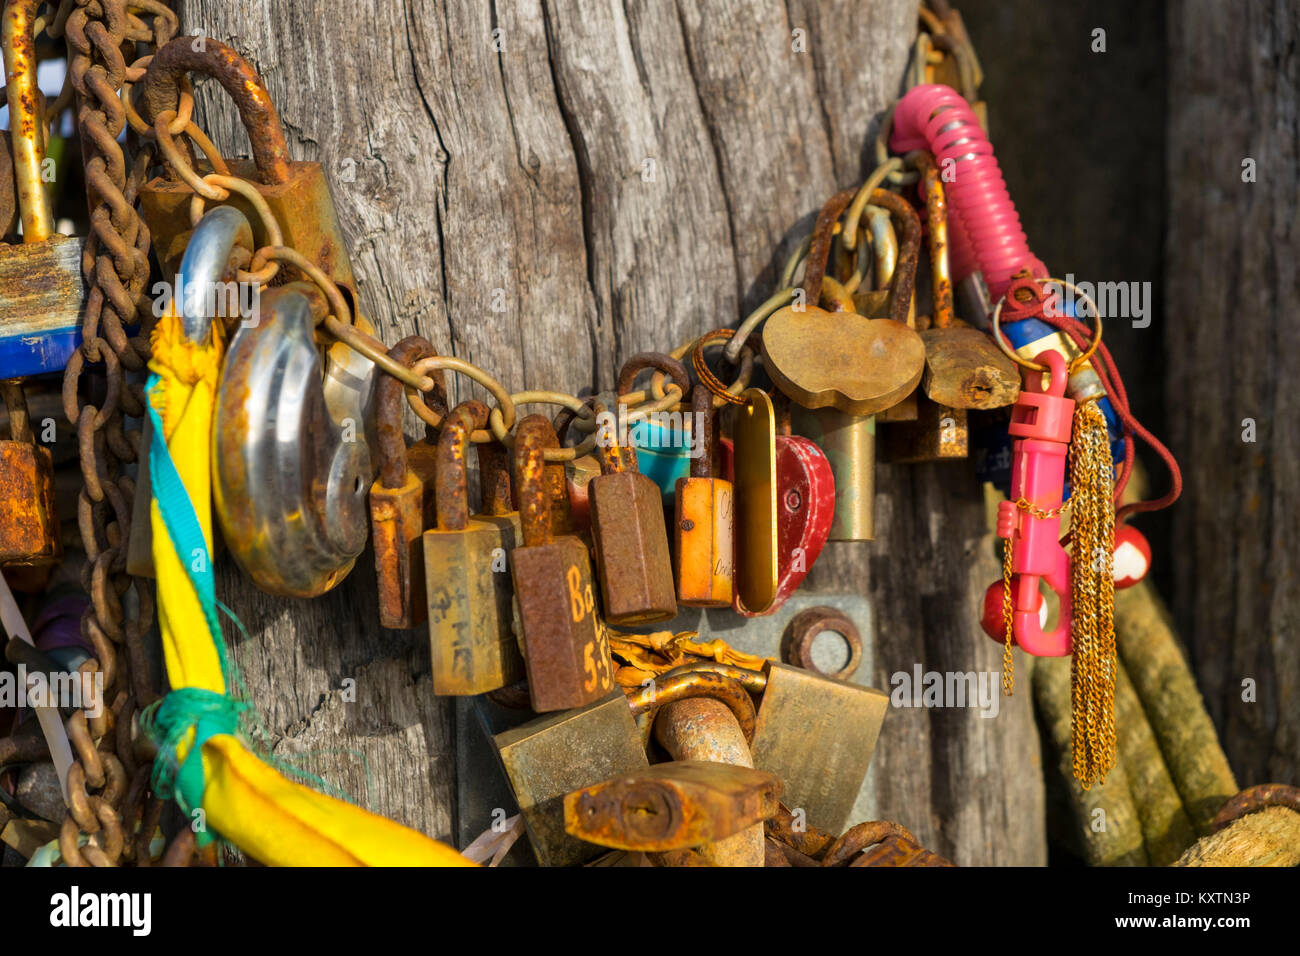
{"points": [[1012, 354]]}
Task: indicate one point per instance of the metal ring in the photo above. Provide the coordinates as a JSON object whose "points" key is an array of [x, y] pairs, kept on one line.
{"points": [[1005, 346], [246, 189], [480, 436], [580, 409]]}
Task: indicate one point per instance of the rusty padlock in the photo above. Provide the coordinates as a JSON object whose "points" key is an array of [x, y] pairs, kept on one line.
{"points": [[676, 805], [42, 292], [963, 367], [565, 645], [297, 194], [471, 636], [704, 729], [555, 754], [29, 527], [704, 519], [814, 732], [401, 496], [629, 535]]}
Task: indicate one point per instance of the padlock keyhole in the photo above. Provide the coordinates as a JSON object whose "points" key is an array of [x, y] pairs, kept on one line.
{"points": [[793, 499]]}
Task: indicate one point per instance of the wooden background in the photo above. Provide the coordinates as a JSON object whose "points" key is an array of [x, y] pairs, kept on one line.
{"points": [[626, 174]]}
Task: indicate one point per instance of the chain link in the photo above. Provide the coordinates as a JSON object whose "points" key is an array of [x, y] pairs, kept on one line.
{"points": [[115, 263]]}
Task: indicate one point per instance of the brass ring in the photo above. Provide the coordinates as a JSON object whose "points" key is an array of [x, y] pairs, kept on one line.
{"points": [[480, 436], [580, 409], [1005, 346]]}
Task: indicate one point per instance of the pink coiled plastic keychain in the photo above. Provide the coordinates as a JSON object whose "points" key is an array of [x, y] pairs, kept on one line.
{"points": [[990, 238]]}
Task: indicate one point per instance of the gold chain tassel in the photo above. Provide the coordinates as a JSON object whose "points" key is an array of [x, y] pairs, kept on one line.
{"points": [[1092, 586]]}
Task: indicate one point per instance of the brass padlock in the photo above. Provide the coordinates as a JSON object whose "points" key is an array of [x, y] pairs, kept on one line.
{"points": [[704, 519], [556, 754], [29, 527], [814, 732], [471, 635], [849, 440], [629, 536], [842, 359], [42, 291], [401, 496], [565, 646], [676, 805], [548, 758]]}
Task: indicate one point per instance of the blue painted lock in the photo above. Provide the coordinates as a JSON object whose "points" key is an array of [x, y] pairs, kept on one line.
{"points": [[990, 442], [42, 292]]}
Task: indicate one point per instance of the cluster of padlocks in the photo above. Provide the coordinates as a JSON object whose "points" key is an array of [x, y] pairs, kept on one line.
{"points": [[714, 485]]}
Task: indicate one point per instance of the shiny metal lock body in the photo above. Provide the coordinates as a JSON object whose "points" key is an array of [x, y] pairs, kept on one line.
{"points": [[29, 526], [704, 519], [471, 637], [401, 498], [42, 291], [290, 488], [548, 758], [565, 646]]}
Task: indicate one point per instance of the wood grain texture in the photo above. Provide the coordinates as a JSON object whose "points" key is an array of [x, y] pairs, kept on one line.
{"points": [[1233, 296], [474, 169]]}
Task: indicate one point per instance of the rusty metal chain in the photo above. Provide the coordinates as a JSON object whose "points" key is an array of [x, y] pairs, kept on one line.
{"points": [[115, 263]]}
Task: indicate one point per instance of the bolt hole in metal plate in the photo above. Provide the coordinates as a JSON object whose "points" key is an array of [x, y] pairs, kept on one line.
{"points": [[481, 786]]}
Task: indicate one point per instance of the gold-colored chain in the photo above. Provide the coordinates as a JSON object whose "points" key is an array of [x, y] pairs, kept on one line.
{"points": [[1092, 585], [1008, 662]]}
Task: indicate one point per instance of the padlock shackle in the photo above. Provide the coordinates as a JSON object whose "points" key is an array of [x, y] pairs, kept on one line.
{"points": [[907, 223], [533, 435], [819, 250], [390, 441], [205, 263], [452, 498], [702, 433], [160, 91], [721, 683], [26, 128], [660, 361], [936, 218]]}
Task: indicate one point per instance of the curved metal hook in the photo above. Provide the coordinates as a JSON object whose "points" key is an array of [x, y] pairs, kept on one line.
{"points": [[205, 263]]}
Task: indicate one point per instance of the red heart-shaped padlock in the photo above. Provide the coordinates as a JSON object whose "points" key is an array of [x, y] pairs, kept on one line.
{"points": [[805, 505]]}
